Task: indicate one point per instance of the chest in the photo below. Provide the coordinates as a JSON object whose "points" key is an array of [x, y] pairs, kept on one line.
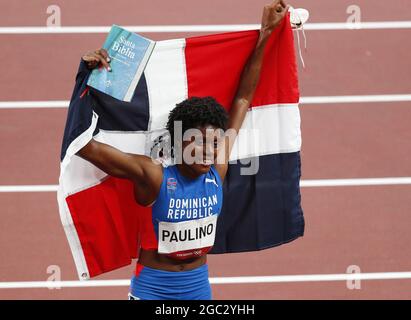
{"points": [[181, 201]]}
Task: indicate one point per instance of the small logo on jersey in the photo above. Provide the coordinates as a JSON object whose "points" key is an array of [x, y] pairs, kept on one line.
{"points": [[212, 181], [171, 185]]}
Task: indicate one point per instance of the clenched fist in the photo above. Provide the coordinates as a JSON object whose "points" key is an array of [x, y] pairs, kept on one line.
{"points": [[273, 14]]}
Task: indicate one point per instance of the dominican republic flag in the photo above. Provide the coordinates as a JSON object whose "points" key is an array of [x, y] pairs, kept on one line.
{"points": [[102, 221]]}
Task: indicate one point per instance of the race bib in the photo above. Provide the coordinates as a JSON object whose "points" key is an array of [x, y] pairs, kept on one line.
{"points": [[186, 235]]}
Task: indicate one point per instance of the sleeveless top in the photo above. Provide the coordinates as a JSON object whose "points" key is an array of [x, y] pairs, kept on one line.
{"points": [[184, 215]]}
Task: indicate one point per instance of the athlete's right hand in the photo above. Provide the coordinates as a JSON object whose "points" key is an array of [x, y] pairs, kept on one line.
{"points": [[96, 58]]}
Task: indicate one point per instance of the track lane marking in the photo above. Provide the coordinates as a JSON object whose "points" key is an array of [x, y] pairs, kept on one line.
{"points": [[303, 184], [215, 280], [303, 101], [324, 26]]}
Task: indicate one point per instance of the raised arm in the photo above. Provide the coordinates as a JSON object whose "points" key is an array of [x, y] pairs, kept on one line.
{"points": [[142, 170], [272, 16]]}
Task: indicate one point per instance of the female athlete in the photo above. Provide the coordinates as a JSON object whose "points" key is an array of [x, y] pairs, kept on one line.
{"points": [[186, 197]]}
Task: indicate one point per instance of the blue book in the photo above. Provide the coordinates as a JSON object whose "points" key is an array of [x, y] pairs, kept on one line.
{"points": [[129, 53]]}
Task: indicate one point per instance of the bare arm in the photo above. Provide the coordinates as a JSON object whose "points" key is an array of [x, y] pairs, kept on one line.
{"points": [[109, 159], [272, 16], [145, 173], [117, 163]]}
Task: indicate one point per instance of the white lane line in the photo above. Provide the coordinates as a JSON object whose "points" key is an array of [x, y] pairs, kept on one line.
{"points": [[355, 182], [29, 188], [303, 100], [216, 280], [303, 184], [359, 25], [313, 278], [34, 104], [203, 28], [356, 99]]}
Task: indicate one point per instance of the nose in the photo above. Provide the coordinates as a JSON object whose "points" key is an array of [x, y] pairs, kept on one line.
{"points": [[208, 151]]}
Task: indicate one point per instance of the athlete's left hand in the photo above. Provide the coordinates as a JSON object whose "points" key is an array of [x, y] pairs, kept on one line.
{"points": [[273, 14]]}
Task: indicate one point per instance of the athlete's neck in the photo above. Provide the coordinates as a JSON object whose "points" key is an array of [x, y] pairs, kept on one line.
{"points": [[187, 172]]}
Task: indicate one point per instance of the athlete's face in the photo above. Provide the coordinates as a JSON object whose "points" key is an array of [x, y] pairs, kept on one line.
{"points": [[200, 148]]}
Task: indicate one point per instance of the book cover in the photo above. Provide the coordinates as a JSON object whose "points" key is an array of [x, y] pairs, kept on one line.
{"points": [[129, 53]]}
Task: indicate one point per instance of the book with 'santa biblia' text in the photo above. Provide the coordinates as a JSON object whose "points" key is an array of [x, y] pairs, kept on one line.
{"points": [[129, 54]]}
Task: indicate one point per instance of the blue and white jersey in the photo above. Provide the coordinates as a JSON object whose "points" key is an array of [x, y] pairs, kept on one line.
{"points": [[185, 213]]}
